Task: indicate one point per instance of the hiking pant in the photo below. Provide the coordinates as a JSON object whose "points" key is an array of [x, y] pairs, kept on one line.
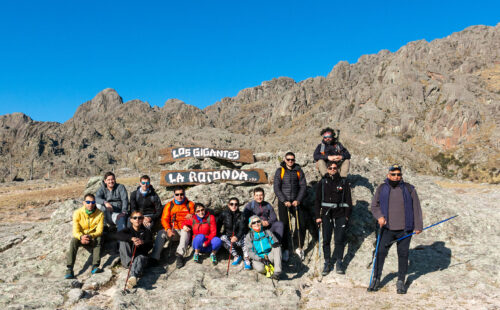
{"points": [[226, 242], [339, 227], [275, 259], [140, 261], [403, 248], [93, 247], [277, 229], [344, 167], [110, 218], [213, 246], [179, 235], [283, 214]]}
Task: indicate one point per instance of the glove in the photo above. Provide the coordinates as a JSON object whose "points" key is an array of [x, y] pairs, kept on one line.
{"points": [[276, 245]]}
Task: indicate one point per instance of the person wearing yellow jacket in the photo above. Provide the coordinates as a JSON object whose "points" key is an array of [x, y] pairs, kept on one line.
{"points": [[88, 222]]}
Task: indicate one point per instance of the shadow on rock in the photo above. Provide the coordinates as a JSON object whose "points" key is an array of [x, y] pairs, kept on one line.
{"points": [[427, 259], [359, 180]]}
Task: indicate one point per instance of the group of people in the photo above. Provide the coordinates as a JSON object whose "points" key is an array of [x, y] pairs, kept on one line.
{"points": [[254, 235]]}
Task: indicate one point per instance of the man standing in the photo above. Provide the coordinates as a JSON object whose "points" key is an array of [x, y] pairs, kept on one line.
{"points": [[290, 187], [331, 150], [333, 208], [174, 214], [265, 212], [397, 209], [88, 224], [112, 200], [145, 200]]}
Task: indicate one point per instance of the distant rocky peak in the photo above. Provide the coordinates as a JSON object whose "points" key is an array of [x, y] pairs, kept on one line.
{"points": [[107, 97]]}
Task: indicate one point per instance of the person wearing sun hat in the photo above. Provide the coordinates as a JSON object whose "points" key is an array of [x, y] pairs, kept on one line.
{"points": [[396, 207]]}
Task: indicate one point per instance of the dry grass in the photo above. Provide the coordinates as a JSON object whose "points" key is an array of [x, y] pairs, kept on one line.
{"points": [[456, 185]]}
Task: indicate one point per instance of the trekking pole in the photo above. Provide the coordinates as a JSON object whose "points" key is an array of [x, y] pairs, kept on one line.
{"points": [[170, 239], [290, 227], [422, 229], [130, 268], [229, 259], [298, 225], [375, 258]]}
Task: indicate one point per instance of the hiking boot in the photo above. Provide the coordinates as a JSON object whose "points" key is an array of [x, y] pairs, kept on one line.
{"points": [[96, 269], [275, 276], [326, 269], [237, 260], [179, 262], [131, 282], [69, 274], [196, 258], [400, 287], [300, 253], [375, 285], [339, 268], [213, 259], [248, 264], [286, 256]]}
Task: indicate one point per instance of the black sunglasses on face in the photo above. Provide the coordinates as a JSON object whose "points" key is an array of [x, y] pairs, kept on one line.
{"points": [[137, 217], [290, 159], [232, 204], [181, 194], [332, 168], [256, 222], [144, 183], [396, 174]]}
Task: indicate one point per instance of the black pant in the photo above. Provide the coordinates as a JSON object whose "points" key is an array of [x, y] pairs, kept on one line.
{"points": [[283, 214], [339, 227], [403, 248]]}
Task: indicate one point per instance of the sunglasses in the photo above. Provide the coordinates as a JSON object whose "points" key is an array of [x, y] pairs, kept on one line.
{"points": [[232, 204], [396, 174], [256, 222], [137, 217], [181, 194], [90, 202], [290, 159], [332, 168], [328, 137], [200, 210], [145, 183]]}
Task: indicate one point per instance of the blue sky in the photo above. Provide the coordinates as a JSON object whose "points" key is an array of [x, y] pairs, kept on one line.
{"points": [[55, 55]]}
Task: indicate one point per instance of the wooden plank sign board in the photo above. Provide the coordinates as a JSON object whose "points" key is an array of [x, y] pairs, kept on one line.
{"points": [[171, 154], [205, 176]]}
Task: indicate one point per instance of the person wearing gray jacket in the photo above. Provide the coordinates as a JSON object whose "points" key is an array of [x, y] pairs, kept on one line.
{"points": [[290, 187], [112, 200]]}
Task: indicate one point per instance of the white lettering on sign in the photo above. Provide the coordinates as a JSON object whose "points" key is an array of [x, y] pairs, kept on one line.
{"points": [[179, 177], [182, 152]]}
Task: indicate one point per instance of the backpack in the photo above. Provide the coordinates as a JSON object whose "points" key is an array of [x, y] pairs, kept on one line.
{"points": [[171, 205], [283, 173]]}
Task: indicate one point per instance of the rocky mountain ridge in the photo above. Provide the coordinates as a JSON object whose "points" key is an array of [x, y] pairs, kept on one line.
{"points": [[434, 106]]}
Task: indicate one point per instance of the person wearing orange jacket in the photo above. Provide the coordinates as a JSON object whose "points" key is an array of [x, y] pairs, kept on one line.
{"points": [[174, 214], [204, 228]]}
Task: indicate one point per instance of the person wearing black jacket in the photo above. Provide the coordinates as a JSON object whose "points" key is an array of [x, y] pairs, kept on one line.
{"points": [[331, 150], [233, 221], [333, 208], [145, 200], [290, 187], [139, 237]]}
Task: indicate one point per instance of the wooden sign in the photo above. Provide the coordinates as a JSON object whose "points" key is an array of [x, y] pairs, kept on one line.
{"points": [[205, 176], [171, 154]]}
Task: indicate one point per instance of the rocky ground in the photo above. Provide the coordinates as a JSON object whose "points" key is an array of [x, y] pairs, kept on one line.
{"points": [[453, 265]]}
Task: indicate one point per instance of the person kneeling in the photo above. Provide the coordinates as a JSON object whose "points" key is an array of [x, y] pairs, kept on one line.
{"points": [[264, 248], [138, 240], [204, 229]]}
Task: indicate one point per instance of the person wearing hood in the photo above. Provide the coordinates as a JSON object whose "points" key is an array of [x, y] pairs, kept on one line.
{"points": [[263, 247], [145, 200], [233, 221], [112, 200], [290, 187], [396, 207], [333, 208], [204, 228], [331, 150]]}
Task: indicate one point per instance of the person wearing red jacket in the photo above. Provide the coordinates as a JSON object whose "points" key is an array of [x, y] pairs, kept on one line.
{"points": [[204, 228]]}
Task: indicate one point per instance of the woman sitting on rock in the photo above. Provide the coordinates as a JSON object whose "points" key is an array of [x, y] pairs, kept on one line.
{"points": [[264, 248], [204, 227]]}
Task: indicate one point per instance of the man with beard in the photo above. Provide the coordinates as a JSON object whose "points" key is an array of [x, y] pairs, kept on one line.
{"points": [[396, 207], [331, 150]]}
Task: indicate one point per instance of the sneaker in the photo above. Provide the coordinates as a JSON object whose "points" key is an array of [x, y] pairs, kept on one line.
{"points": [[213, 259], [375, 285], [326, 269], [132, 282], [286, 256], [339, 268], [400, 287], [237, 260], [96, 269], [179, 262], [196, 258], [300, 253], [69, 274], [248, 265]]}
